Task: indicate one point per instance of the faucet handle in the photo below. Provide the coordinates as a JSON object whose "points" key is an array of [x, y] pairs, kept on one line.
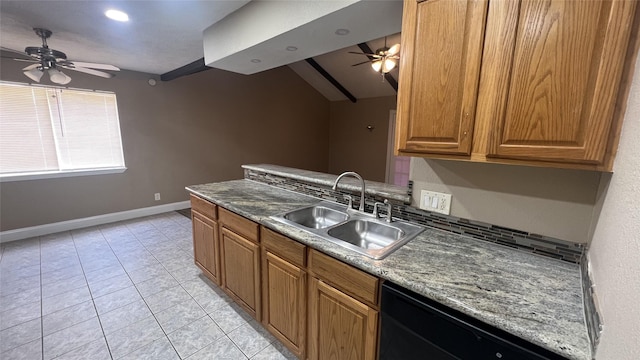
{"points": [[376, 208], [389, 206], [350, 199]]}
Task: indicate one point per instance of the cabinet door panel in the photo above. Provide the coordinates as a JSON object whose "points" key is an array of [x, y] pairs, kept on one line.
{"points": [[205, 245], [567, 59], [439, 74], [340, 326], [241, 270], [285, 301]]}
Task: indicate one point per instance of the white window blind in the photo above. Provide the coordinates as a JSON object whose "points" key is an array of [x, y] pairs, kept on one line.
{"points": [[56, 130]]}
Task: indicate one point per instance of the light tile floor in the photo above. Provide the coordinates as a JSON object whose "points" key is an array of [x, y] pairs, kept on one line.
{"points": [[127, 290]]}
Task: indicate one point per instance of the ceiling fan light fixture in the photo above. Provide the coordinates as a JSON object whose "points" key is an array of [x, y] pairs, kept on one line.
{"points": [[34, 74], [377, 65], [389, 64], [117, 15], [58, 77]]}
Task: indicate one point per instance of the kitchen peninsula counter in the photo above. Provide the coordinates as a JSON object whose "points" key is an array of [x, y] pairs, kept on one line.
{"points": [[533, 297]]}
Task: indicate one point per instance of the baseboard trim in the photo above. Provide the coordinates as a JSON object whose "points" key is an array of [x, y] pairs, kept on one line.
{"points": [[29, 232]]}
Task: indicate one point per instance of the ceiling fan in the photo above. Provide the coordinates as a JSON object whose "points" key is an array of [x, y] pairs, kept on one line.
{"points": [[384, 59], [45, 58]]}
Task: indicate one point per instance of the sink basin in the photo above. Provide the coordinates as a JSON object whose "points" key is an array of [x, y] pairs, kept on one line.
{"points": [[351, 229], [316, 217], [366, 234]]}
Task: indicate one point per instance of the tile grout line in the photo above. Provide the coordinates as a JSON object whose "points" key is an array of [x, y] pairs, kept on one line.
{"points": [[41, 302], [53, 249], [90, 294], [143, 299]]}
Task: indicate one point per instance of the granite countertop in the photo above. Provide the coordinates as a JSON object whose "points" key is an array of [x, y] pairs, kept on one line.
{"points": [[536, 298], [388, 191]]}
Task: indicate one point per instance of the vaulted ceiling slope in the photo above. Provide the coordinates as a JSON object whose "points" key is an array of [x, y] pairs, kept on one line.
{"points": [[162, 36]]}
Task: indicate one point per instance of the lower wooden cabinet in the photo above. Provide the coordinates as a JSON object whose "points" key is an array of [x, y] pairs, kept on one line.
{"points": [[340, 327], [284, 290], [206, 246], [343, 310], [317, 306], [240, 268]]}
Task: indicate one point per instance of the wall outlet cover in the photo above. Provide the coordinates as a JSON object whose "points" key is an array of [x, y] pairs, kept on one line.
{"points": [[435, 201], [156, 196]]}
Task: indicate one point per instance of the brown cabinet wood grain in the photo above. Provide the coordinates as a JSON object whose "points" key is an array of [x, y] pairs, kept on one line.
{"points": [[206, 246], [285, 302], [340, 327], [440, 70], [284, 290], [240, 268], [355, 282], [538, 80]]}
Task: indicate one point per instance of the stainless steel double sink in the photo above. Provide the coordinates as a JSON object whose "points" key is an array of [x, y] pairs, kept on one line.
{"points": [[355, 230]]}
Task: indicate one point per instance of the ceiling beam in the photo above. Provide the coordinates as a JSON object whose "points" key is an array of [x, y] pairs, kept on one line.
{"points": [[367, 50], [191, 68], [331, 79]]}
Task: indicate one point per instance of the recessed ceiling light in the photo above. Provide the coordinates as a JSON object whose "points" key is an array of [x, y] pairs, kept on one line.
{"points": [[117, 15], [291, 48], [342, 32], [255, 61]]}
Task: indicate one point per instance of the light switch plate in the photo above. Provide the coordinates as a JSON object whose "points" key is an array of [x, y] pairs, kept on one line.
{"points": [[435, 201]]}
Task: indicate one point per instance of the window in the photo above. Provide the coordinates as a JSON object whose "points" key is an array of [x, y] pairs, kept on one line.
{"points": [[46, 131]]}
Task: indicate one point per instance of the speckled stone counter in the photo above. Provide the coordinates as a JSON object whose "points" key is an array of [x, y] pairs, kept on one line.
{"points": [[536, 298], [388, 191]]}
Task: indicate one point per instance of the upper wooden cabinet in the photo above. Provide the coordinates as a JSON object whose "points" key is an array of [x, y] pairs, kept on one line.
{"points": [[442, 48], [537, 80]]}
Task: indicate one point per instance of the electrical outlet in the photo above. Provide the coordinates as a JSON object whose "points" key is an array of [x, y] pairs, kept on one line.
{"points": [[435, 201], [156, 196]]}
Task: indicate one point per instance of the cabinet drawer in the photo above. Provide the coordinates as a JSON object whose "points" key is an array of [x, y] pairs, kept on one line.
{"points": [[203, 207], [238, 224], [284, 247], [346, 278]]}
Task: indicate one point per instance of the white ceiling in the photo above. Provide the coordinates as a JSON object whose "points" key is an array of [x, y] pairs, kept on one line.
{"points": [[160, 36], [164, 35]]}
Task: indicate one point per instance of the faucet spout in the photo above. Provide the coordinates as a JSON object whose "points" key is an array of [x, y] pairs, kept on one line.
{"points": [[357, 176]]}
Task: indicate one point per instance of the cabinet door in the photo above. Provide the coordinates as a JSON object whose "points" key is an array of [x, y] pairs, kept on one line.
{"points": [[340, 327], [206, 246], [241, 270], [285, 301], [439, 74], [552, 75]]}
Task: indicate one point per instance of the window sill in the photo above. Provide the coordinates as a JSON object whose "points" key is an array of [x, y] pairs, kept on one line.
{"points": [[60, 174]]}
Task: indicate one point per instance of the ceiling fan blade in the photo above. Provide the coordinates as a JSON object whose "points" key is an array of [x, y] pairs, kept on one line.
{"points": [[394, 49], [32, 66], [359, 53], [13, 51], [89, 71], [92, 65], [364, 62], [26, 60]]}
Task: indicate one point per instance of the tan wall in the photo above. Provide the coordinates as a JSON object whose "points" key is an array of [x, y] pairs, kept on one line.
{"points": [[191, 130], [615, 247], [551, 202], [352, 146]]}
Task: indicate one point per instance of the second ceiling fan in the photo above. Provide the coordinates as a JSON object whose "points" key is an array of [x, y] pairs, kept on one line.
{"points": [[384, 59]]}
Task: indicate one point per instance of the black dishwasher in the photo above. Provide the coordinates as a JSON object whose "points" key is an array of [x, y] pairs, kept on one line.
{"points": [[414, 327]]}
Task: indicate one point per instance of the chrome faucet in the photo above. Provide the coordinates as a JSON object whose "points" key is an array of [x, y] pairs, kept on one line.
{"points": [[355, 175]]}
